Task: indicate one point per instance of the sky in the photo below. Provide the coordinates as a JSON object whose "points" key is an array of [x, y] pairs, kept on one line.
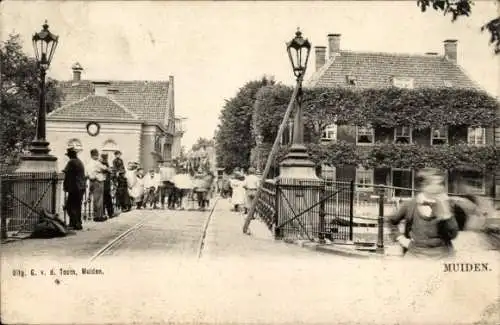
{"points": [[213, 48]]}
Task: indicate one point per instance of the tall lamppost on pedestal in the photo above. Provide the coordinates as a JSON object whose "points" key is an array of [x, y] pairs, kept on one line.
{"points": [[297, 163], [44, 45]]}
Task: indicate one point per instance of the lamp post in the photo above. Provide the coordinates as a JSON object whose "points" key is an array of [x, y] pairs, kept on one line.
{"points": [[44, 45], [297, 163]]}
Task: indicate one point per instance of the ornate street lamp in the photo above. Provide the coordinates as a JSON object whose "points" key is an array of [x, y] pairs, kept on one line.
{"points": [[44, 45], [298, 52], [297, 163]]}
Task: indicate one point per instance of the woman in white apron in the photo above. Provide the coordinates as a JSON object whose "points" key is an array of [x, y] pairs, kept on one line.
{"points": [[238, 198]]}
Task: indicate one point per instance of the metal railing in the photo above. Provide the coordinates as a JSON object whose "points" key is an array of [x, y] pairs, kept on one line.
{"points": [[338, 211], [23, 196]]}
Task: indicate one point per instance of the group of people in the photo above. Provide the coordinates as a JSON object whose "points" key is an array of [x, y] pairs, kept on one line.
{"points": [[173, 184], [101, 179], [132, 186], [240, 188]]}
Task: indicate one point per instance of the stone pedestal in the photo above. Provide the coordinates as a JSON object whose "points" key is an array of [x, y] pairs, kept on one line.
{"points": [[300, 190]]}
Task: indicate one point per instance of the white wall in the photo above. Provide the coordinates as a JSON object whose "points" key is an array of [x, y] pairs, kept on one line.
{"points": [[127, 137]]}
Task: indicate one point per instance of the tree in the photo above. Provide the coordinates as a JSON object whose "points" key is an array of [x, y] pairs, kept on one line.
{"points": [[234, 137], [459, 8], [202, 142], [20, 95]]}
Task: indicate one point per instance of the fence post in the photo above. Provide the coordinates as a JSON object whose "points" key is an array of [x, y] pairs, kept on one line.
{"points": [[2, 214], [54, 181], [380, 237], [277, 231], [321, 234], [351, 208]]}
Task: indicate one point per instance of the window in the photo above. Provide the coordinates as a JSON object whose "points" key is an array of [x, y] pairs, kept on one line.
{"points": [[402, 134], [328, 172], [364, 179], [403, 82], [365, 135], [439, 135], [109, 147], [476, 136], [351, 81], [475, 180], [330, 133], [403, 182]]}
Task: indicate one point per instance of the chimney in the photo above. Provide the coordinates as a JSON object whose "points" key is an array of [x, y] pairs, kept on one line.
{"points": [[333, 44], [450, 49], [320, 52], [77, 72]]}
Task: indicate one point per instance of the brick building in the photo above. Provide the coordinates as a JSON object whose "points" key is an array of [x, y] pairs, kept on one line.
{"points": [[336, 67], [135, 117]]}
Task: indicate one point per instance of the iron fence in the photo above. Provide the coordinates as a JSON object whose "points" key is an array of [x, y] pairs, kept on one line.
{"points": [[338, 211], [23, 196]]}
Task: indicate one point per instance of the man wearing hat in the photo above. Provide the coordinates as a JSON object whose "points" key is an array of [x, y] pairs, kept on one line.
{"points": [[74, 185], [107, 199]]}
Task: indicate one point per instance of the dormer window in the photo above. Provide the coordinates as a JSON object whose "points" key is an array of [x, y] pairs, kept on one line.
{"points": [[351, 81], [330, 133], [365, 135], [101, 88], [439, 135], [403, 135], [406, 83]]}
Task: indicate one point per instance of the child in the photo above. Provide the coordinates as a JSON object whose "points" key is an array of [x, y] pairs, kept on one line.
{"points": [[238, 198]]}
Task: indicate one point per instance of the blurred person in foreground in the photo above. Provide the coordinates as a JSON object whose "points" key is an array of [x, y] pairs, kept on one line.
{"points": [[430, 225]]}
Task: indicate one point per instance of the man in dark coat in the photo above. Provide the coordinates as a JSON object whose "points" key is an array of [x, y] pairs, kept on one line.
{"points": [[107, 198], [74, 185]]}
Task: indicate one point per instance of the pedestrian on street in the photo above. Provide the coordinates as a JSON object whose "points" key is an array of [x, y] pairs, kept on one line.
{"points": [[96, 176], [167, 188], [430, 225], [151, 187], [238, 196], [199, 188], [131, 176], [107, 197], [250, 184], [184, 186], [74, 184], [137, 191]]}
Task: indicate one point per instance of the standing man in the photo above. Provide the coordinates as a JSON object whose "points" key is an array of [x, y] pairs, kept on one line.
{"points": [[250, 184], [167, 173], [107, 198], [95, 173], [151, 185], [74, 185]]}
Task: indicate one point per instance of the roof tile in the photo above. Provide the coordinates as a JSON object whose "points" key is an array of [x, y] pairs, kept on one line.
{"points": [[376, 70]]}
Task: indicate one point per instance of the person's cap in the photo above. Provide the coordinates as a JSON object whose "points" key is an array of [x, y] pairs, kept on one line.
{"points": [[104, 155], [117, 152]]}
